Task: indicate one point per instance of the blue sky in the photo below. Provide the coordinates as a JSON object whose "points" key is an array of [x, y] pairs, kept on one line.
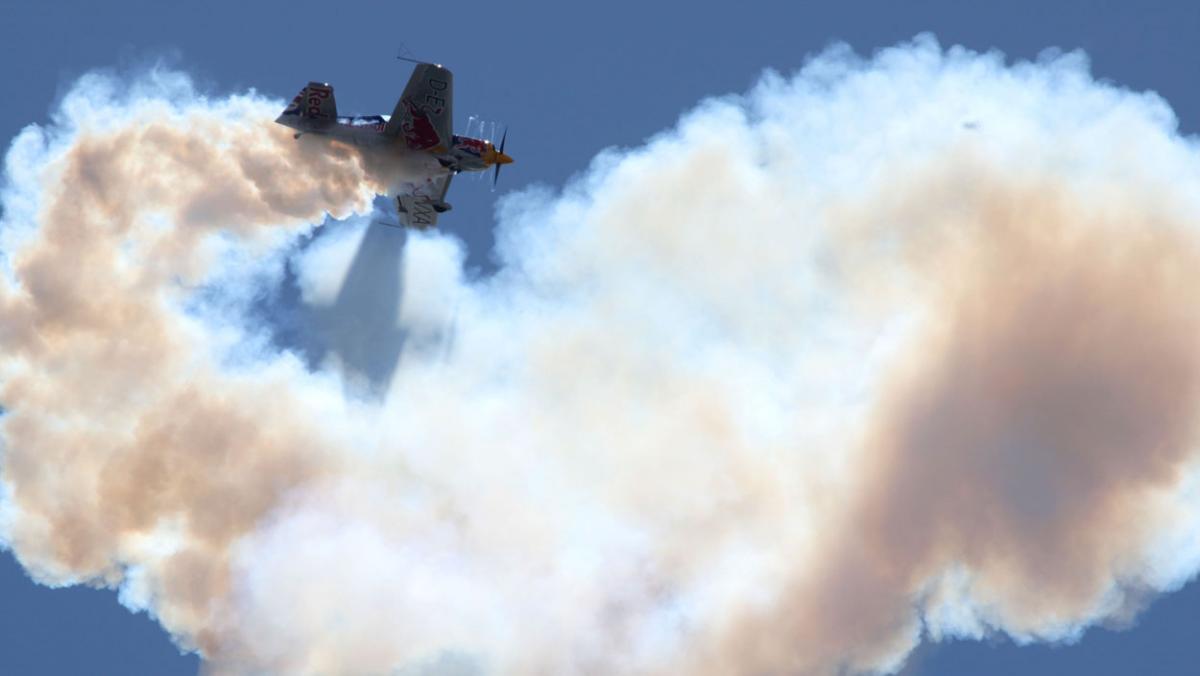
{"points": [[569, 81]]}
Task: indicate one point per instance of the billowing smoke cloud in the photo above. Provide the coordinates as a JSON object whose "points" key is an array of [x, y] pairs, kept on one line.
{"points": [[894, 349]]}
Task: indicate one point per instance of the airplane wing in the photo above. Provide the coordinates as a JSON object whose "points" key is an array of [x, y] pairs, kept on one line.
{"points": [[423, 115], [420, 205]]}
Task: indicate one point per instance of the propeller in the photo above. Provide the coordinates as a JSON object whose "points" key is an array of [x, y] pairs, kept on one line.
{"points": [[496, 176]]}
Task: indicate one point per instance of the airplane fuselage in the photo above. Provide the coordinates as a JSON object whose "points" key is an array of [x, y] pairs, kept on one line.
{"points": [[416, 139], [368, 131]]}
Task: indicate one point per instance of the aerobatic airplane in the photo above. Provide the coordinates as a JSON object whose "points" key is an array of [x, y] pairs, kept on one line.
{"points": [[420, 129]]}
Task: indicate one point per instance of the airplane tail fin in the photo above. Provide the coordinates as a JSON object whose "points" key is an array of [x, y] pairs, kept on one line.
{"points": [[314, 102]]}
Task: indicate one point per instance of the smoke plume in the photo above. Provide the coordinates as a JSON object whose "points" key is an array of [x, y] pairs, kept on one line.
{"points": [[894, 349]]}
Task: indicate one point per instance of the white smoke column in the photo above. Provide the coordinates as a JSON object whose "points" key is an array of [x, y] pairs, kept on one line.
{"points": [[893, 348]]}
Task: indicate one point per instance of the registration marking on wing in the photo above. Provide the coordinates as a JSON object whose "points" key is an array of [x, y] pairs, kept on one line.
{"points": [[418, 211]]}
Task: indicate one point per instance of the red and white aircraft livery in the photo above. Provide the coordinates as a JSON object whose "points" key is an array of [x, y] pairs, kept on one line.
{"points": [[420, 128]]}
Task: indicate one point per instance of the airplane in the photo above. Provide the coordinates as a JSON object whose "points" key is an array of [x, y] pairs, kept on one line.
{"points": [[419, 131]]}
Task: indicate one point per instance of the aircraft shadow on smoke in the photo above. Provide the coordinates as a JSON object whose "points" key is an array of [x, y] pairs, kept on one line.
{"points": [[360, 328]]}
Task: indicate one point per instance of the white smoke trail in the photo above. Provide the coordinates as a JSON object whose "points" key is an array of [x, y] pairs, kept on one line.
{"points": [[893, 348]]}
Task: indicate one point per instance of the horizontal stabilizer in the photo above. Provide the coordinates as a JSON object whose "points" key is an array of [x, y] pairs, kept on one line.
{"points": [[314, 103]]}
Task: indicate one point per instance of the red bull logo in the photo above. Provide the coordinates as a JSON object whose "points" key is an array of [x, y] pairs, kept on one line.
{"points": [[309, 101], [316, 96], [417, 129], [470, 145]]}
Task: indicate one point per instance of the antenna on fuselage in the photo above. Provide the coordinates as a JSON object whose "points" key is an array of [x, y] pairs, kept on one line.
{"points": [[403, 53]]}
